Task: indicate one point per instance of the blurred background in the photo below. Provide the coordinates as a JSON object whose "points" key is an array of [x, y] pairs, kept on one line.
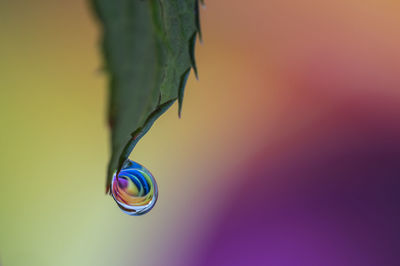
{"points": [[288, 151]]}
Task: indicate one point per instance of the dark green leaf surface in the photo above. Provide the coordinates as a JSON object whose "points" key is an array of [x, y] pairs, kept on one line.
{"points": [[148, 47]]}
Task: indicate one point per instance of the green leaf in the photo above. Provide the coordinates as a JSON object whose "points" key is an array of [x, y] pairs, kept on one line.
{"points": [[148, 47]]}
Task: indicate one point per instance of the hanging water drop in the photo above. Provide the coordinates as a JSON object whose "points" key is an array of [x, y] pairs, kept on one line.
{"points": [[134, 189]]}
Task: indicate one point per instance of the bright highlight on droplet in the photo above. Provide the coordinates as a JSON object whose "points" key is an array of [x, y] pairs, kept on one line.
{"points": [[134, 189]]}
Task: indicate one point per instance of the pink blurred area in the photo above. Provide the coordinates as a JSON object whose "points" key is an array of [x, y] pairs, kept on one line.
{"points": [[292, 63], [307, 56], [312, 109]]}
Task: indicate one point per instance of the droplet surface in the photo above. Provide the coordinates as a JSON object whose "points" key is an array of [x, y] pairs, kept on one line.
{"points": [[134, 189]]}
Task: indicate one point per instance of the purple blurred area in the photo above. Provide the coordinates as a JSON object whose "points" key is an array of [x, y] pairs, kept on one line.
{"points": [[327, 198]]}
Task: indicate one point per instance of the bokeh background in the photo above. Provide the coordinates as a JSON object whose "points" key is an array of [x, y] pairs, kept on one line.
{"points": [[288, 151]]}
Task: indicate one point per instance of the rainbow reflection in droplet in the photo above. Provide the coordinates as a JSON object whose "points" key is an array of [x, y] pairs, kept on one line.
{"points": [[134, 189]]}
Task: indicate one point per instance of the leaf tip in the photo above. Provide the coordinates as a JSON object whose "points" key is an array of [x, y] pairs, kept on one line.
{"points": [[192, 43], [197, 18], [181, 90]]}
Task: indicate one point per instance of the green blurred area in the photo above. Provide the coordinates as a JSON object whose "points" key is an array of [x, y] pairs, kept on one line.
{"points": [[52, 101]]}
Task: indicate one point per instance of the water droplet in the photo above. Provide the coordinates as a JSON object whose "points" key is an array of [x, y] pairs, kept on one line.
{"points": [[134, 189]]}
